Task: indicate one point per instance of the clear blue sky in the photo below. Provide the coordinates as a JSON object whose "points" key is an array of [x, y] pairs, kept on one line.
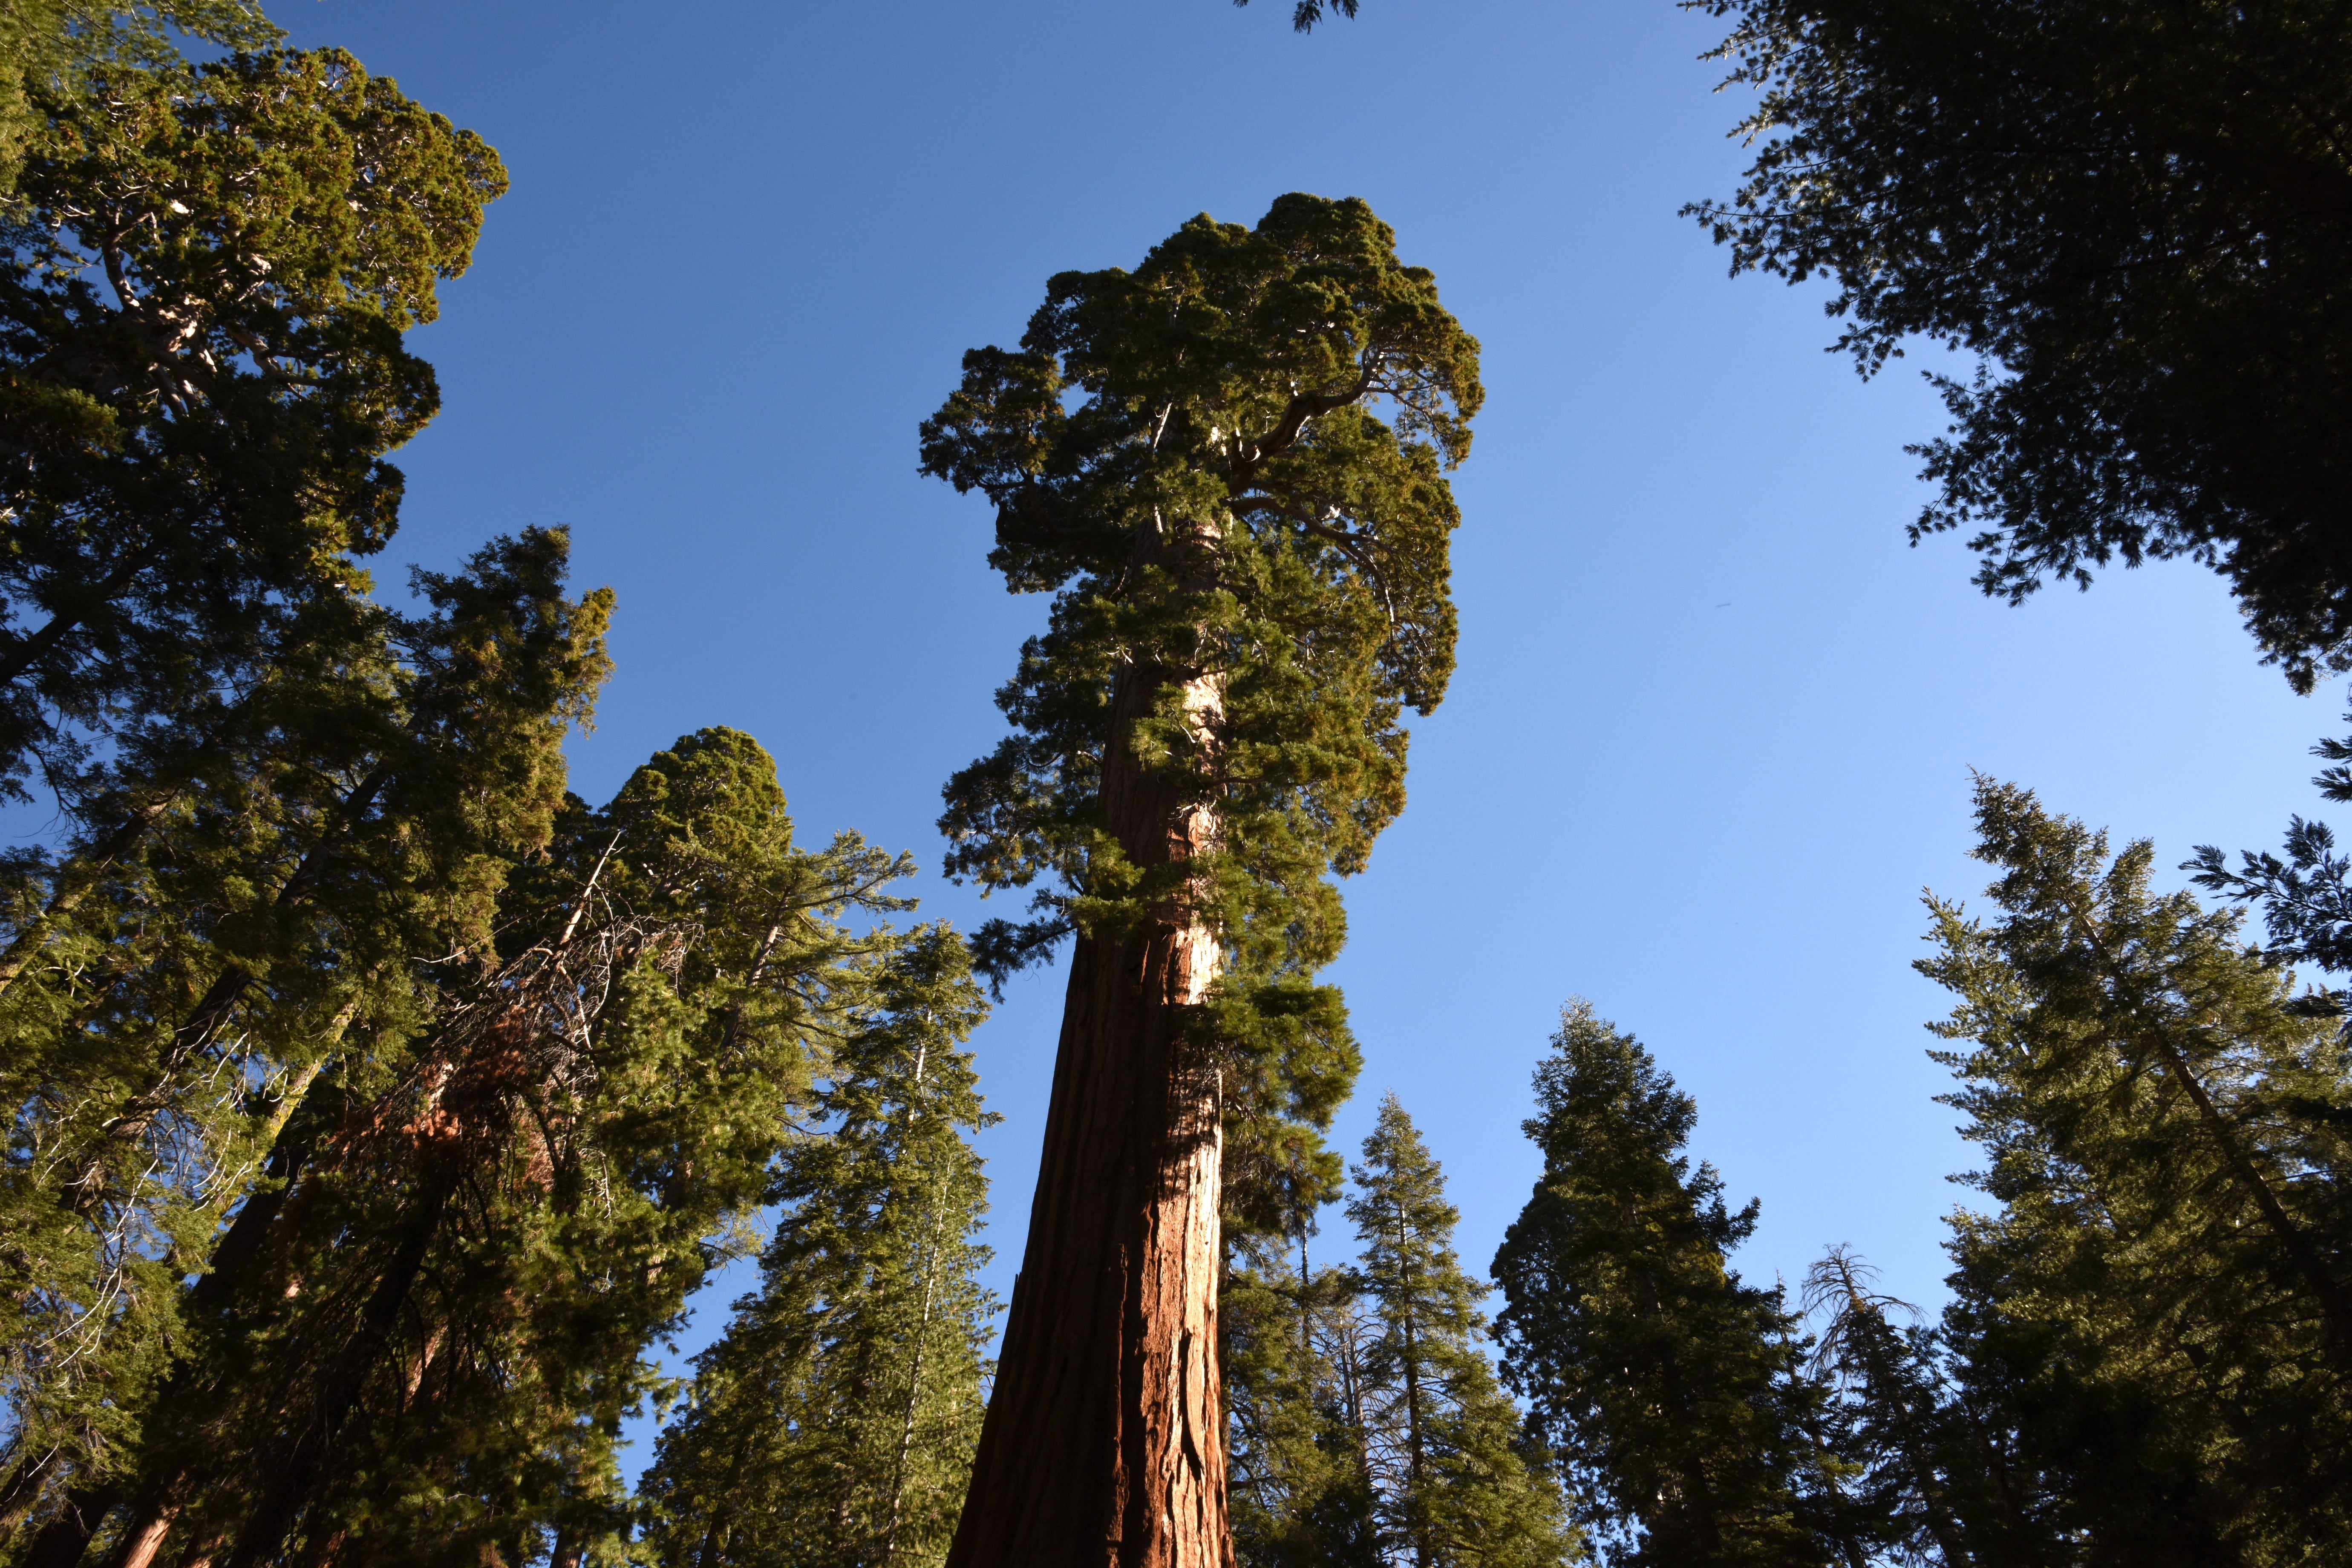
{"points": [[1714, 721]]}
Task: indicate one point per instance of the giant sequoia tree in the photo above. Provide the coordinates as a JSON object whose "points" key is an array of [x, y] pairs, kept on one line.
{"points": [[1250, 579], [2137, 216], [48, 44]]}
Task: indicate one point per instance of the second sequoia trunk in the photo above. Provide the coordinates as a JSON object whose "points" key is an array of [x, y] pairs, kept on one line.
{"points": [[1104, 1442]]}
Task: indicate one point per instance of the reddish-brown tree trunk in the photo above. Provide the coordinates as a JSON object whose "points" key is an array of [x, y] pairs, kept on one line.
{"points": [[1104, 1444]]}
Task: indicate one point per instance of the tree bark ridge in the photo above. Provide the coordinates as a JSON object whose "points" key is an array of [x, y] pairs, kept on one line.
{"points": [[1104, 1444]]}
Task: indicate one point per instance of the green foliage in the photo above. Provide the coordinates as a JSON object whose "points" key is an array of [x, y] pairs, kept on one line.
{"points": [[1298, 1470], [2305, 900], [1924, 1477], [249, 900], [835, 1421], [1366, 1423], [204, 282], [50, 46], [425, 1337], [1250, 585], [1450, 1473], [1305, 14], [2156, 1315], [1672, 1392], [2136, 217]]}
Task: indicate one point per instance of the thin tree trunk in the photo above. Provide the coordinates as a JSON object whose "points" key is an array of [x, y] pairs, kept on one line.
{"points": [[282, 1502], [1412, 1433], [23, 1492], [914, 1377], [41, 643], [62, 1540], [158, 1504], [2333, 1304], [75, 880], [1103, 1442]]}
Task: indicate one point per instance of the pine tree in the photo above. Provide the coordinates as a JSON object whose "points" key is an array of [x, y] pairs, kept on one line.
{"points": [[1293, 1351], [1672, 1392], [2157, 1310], [835, 1422], [1450, 1476], [1250, 574]]}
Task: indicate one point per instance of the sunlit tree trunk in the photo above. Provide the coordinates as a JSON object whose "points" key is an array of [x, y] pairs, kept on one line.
{"points": [[1104, 1442]]}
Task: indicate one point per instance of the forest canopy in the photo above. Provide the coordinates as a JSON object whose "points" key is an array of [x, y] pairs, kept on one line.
{"points": [[388, 1104]]}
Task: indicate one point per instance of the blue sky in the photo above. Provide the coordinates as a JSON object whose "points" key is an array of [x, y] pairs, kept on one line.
{"points": [[1714, 722]]}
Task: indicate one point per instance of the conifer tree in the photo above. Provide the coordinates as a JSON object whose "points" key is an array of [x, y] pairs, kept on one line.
{"points": [[1922, 1479], [429, 1324], [50, 46], [2136, 215], [836, 1420], [1250, 580], [204, 277], [1294, 1347], [2157, 1309], [1452, 1484], [167, 1015], [1671, 1390]]}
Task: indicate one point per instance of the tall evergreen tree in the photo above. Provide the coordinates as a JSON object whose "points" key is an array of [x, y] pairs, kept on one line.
{"points": [[1924, 1479], [1294, 1344], [421, 1335], [2158, 1306], [1451, 1480], [204, 277], [835, 1422], [1250, 580], [1671, 1390], [2135, 218], [165, 1019], [50, 46]]}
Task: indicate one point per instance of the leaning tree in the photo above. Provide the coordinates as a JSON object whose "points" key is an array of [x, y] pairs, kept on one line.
{"points": [[1249, 571]]}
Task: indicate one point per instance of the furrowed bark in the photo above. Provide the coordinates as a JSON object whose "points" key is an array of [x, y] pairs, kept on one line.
{"points": [[1103, 1442]]}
